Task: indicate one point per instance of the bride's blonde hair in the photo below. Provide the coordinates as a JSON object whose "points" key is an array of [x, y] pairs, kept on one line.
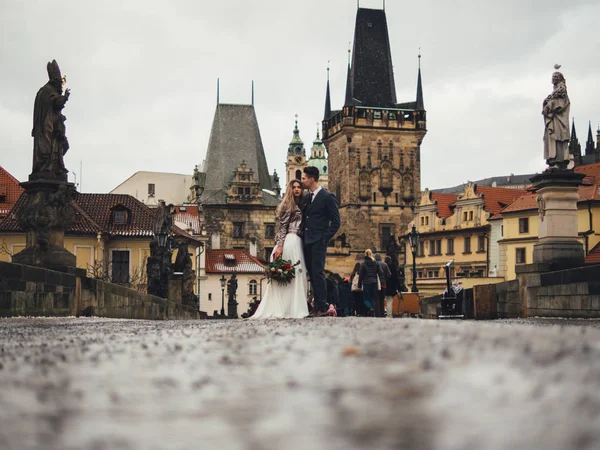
{"points": [[288, 202]]}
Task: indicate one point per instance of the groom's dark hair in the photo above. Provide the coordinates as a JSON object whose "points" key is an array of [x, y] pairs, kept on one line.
{"points": [[312, 172]]}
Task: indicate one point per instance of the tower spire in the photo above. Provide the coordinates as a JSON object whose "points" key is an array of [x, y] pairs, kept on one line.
{"points": [[327, 98], [348, 99], [574, 146], [589, 144], [420, 102]]}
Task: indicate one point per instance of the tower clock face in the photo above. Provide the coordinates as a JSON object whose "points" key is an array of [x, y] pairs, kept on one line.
{"points": [[298, 159]]}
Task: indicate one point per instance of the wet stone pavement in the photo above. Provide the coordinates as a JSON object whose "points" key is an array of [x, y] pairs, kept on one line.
{"points": [[346, 383]]}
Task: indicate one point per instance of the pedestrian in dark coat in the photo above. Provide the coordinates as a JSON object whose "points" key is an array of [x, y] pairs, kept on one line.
{"points": [[392, 287], [367, 280], [380, 301]]}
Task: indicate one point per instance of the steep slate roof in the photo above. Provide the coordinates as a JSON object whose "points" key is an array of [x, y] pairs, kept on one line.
{"points": [[503, 181], [234, 138], [444, 203], [243, 262], [13, 191], [372, 73]]}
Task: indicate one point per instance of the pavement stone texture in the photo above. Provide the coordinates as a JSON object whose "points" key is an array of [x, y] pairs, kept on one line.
{"points": [[345, 383]]}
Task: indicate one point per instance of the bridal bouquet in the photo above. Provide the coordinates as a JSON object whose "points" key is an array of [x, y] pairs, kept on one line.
{"points": [[281, 271]]}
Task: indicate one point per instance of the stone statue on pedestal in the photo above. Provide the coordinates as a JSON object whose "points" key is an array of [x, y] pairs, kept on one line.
{"points": [[555, 110], [232, 286], [49, 140], [159, 267], [183, 264], [47, 210]]}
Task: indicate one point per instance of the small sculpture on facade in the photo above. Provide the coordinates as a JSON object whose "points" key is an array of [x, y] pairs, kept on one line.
{"points": [[49, 139], [232, 286], [555, 110], [541, 206]]}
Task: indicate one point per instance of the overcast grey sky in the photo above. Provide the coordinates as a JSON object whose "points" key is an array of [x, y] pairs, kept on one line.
{"points": [[143, 77]]}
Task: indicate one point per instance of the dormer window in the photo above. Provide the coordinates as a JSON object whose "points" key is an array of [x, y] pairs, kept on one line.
{"points": [[151, 189], [119, 216]]}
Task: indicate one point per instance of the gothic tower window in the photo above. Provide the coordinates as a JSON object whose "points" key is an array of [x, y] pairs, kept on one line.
{"points": [[386, 175], [298, 174], [364, 187]]}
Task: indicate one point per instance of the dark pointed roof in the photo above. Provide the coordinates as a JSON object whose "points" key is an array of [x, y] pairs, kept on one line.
{"points": [[589, 144], [420, 106], [348, 99], [372, 73], [327, 113], [574, 146], [234, 138]]}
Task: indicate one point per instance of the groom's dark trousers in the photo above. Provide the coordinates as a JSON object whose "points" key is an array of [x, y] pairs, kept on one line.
{"points": [[320, 222]]}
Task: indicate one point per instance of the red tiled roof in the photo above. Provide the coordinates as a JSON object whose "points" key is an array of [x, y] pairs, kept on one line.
{"points": [[590, 170], [594, 256], [9, 187], [241, 262], [444, 203], [93, 215], [523, 203], [496, 198]]}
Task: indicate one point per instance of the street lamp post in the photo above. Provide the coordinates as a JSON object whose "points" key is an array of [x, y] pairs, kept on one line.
{"points": [[413, 240], [223, 281]]}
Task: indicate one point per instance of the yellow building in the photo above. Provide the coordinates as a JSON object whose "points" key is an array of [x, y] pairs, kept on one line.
{"points": [[457, 227], [520, 223], [110, 237]]}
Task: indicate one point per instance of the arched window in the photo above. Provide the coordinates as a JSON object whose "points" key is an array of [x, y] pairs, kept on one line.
{"points": [[298, 174], [324, 169], [252, 287]]}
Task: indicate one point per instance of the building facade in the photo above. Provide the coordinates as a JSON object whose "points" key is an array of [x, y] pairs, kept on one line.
{"points": [[237, 194], [373, 145], [458, 228], [110, 237], [149, 187]]}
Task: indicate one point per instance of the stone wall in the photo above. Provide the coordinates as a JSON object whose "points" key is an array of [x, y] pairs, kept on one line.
{"points": [[34, 291]]}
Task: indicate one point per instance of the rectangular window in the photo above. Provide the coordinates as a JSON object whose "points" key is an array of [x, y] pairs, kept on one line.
{"points": [[481, 243], [421, 248], [450, 246], [210, 296], [438, 247], [151, 189], [422, 221], [470, 216], [501, 230], [238, 229], [247, 191], [120, 266], [420, 274], [385, 235], [397, 198], [467, 244], [426, 220], [240, 191], [270, 231], [377, 115], [374, 197], [521, 256], [465, 216], [119, 217], [268, 251], [524, 225], [252, 287], [431, 248]]}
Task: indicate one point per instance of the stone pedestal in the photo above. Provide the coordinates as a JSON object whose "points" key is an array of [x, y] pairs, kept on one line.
{"points": [[558, 234], [46, 214]]}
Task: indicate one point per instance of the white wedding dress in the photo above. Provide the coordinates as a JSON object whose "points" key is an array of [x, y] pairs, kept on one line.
{"points": [[287, 301]]}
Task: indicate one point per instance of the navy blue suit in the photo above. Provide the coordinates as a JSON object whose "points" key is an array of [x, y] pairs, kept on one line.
{"points": [[320, 222]]}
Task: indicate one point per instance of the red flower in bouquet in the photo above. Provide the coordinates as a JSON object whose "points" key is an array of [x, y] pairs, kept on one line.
{"points": [[281, 271]]}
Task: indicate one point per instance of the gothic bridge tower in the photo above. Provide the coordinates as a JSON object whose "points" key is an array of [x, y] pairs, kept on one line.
{"points": [[374, 142]]}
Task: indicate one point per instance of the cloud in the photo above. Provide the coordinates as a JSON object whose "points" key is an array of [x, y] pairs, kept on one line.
{"points": [[143, 77]]}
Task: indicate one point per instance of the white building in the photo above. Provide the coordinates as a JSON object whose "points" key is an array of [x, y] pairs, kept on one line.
{"points": [[149, 187]]}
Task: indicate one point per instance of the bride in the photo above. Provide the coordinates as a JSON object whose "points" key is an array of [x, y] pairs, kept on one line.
{"points": [[287, 300]]}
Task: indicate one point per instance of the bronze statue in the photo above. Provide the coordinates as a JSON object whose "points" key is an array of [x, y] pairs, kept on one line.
{"points": [[555, 110], [49, 140]]}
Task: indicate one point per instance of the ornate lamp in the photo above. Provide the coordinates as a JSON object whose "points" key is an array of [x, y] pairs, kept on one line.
{"points": [[413, 240], [223, 281]]}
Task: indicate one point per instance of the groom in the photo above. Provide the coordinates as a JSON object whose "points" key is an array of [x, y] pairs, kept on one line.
{"points": [[320, 222]]}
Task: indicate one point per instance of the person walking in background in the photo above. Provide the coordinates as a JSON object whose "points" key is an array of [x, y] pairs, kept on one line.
{"points": [[392, 287], [357, 293], [381, 286], [367, 280]]}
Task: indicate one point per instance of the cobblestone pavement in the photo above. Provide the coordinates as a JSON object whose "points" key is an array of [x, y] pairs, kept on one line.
{"points": [[351, 383]]}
